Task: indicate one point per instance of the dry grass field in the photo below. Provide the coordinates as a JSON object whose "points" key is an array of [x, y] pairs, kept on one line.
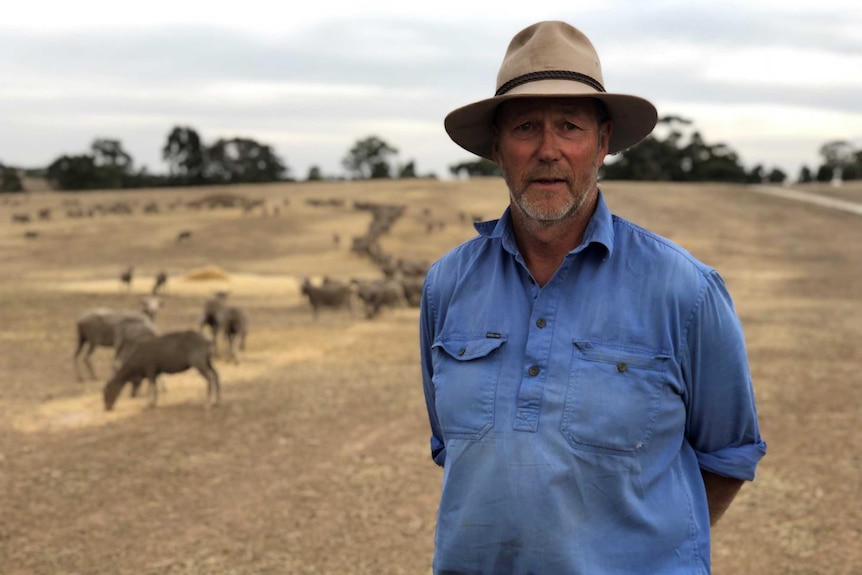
{"points": [[317, 459]]}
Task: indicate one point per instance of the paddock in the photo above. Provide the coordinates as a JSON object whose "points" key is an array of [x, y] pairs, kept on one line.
{"points": [[317, 459]]}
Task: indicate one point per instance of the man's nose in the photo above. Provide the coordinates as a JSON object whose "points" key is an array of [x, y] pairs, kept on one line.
{"points": [[549, 144]]}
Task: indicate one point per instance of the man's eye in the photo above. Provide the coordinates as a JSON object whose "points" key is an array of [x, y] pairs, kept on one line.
{"points": [[569, 127]]}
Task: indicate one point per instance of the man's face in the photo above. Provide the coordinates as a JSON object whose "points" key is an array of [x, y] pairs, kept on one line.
{"points": [[549, 151]]}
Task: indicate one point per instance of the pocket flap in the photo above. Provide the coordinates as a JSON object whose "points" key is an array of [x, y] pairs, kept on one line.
{"points": [[465, 348], [622, 355]]}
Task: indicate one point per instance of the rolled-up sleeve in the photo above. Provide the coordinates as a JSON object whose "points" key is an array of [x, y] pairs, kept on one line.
{"points": [[721, 425]]}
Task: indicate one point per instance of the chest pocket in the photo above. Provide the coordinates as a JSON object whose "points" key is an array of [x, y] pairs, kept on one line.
{"points": [[613, 397], [466, 371]]}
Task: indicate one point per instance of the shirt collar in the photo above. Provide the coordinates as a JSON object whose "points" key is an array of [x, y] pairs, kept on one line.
{"points": [[600, 230]]}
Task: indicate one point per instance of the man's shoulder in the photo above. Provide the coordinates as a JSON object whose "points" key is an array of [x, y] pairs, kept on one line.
{"points": [[461, 262], [469, 250], [654, 249]]}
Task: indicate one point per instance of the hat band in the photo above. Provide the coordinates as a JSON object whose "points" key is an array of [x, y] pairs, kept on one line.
{"points": [[550, 75]]}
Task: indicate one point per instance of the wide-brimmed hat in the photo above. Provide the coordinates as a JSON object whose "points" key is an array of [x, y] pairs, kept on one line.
{"points": [[551, 59]]}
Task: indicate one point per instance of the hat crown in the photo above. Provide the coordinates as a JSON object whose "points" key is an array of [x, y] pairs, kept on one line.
{"points": [[550, 59], [546, 47]]}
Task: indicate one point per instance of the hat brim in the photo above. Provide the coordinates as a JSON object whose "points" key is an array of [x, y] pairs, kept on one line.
{"points": [[471, 126]]}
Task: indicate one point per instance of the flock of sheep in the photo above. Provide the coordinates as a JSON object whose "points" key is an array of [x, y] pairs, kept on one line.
{"points": [[401, 280], [141, 351]]}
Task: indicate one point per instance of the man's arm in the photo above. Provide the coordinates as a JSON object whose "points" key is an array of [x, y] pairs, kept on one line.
{"points": [[720, 492]]}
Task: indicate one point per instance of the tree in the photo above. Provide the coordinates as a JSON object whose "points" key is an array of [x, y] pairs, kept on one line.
{"points": [[380, 170], [10, 181], [112, 161], [651, 160], [408, 170], [184, 153], [242, 160], [480, 168], [838, 155], [805, 175], [369, 158], [824, 173], [74, 173], [314, 174], [756, 175], [777, 176], [674, 159]]}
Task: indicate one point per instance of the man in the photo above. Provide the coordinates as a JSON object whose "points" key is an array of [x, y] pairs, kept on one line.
{"points": [[586, 380]]}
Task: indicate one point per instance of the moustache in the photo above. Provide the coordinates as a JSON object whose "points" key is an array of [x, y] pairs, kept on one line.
{"points": [[548, 173]]}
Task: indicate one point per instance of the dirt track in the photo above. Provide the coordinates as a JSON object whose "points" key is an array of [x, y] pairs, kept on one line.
{"points": [[317, 461]]}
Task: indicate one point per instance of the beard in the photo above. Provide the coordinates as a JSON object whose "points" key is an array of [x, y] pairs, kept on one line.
{"points": [[548, 207]]}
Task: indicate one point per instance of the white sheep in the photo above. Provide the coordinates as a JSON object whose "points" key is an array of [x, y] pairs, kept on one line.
{"points": [[97, 327]]}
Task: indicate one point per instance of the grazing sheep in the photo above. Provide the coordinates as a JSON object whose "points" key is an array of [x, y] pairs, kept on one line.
{"points": [[413, 287], [127, 276], [130, 331], [332, 294], [161, 280], [213, 317], [376, 294], [169, 353], [235, 330], [97, 327]]}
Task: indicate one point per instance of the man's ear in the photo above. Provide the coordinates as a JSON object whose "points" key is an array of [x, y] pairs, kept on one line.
{"points": [[605, 131], [495, 145]]}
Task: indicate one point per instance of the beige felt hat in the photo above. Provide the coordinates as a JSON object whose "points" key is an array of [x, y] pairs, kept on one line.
{"points": [[551, 59]]}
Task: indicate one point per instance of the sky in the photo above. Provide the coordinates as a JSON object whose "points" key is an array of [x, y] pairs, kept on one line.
{"points": [[774, 80]]}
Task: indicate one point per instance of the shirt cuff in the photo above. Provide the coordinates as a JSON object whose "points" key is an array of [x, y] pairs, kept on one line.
{"points": [[438, 451], [738, 461]]}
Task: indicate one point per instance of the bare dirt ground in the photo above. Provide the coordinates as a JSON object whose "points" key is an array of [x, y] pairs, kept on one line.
{"points": [[317, 459]]}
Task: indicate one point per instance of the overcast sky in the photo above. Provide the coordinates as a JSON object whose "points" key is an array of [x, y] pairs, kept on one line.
{"points": [[772, 79]]}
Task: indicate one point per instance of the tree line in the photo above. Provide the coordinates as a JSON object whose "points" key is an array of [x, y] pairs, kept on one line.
{"points": [[675, 151]]}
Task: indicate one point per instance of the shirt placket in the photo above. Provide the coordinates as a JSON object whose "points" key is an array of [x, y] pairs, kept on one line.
{"points": [[538, 351]]}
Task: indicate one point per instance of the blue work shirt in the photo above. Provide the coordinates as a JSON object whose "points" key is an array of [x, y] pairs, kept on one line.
{"points": [[573, 420]]}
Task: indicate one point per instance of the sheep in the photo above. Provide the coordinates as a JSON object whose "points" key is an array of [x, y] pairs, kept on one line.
{"points": [[235, 330], [333, 294], [170, 353], [376, 294], [97, 327], [213, 316], [161, 280], [413, 288], [127, 276], [129, 331]]}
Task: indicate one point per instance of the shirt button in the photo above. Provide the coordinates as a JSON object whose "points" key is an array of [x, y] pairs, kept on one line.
{"points": [[534, 371], [462, 351], [622, 367], [541, 323]]}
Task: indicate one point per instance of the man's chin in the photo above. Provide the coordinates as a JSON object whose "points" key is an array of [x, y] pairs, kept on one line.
{"points": [[546, 216]]}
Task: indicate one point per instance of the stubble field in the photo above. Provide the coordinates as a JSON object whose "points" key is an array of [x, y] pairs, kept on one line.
{"points": [[317, 460]]}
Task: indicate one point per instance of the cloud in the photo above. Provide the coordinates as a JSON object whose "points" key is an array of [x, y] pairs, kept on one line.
{"points": [[315, 83]]}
